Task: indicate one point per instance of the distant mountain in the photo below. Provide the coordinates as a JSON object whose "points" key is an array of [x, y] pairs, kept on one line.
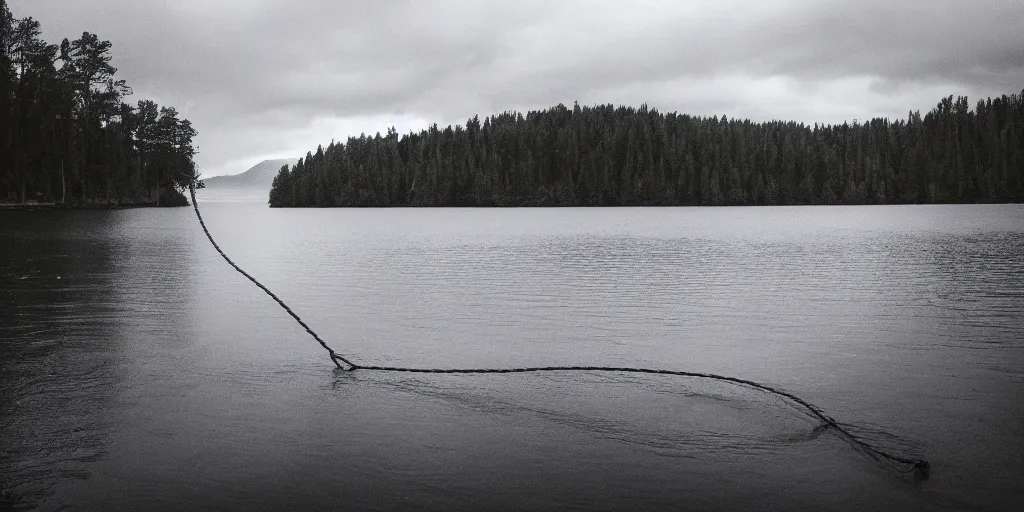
{"points": [[259, 177]]}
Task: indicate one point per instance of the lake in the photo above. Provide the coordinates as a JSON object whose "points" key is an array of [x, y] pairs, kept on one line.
{"points": [[139, 371]]}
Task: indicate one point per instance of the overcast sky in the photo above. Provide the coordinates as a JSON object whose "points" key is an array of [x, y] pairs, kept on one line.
{"points": [[273, 78]]}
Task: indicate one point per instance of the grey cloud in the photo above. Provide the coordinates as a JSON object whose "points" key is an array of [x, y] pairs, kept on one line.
{"points": [[973, 43]]}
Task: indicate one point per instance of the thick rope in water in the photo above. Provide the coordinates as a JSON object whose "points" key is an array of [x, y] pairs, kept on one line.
{"points": [[334, 355], [921, 465]]}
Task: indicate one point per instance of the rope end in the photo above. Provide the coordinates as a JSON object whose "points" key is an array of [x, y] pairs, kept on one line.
{"points": [[923, 469]]}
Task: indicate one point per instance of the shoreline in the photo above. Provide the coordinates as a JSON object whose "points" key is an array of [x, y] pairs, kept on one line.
{"points": [[126, 206], [58, 206], [628, 205]]}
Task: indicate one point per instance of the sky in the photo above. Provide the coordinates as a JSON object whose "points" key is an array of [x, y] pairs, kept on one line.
{"points": [[264, 79]]}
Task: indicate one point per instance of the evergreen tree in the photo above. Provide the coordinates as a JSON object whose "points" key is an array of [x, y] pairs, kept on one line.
{"points": [[67, 136]]}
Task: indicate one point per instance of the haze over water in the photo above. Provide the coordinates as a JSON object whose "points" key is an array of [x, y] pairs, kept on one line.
{"points": [[139, 371]]}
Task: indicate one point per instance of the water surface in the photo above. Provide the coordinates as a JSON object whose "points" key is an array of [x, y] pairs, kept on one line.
{"points": [[138, 371]]}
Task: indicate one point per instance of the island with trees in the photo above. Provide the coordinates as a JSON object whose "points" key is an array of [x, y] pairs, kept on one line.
{"points": [[610, 156], [67, 137]]}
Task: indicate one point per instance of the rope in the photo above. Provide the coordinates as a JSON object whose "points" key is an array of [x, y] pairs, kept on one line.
{"points": [[920, 465], [334, 355]]}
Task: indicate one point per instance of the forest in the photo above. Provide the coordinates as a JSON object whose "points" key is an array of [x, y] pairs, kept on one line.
{"points": [[609, 156], [66, 135]]}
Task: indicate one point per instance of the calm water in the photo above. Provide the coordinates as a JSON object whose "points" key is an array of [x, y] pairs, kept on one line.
{"points": [[138, 371]]}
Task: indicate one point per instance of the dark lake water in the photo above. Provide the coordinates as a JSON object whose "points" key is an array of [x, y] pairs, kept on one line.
{"points": [[139, 372]]}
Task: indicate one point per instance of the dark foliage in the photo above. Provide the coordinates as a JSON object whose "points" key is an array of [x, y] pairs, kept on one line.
{"points": [[608, 156], [65, 134]]}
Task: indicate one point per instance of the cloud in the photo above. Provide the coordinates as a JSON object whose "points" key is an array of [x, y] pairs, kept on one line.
{"points": [[275, 77]]}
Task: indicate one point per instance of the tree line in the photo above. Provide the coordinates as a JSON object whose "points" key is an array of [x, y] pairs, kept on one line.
{"points": [[607, 156], [67, 136]]}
